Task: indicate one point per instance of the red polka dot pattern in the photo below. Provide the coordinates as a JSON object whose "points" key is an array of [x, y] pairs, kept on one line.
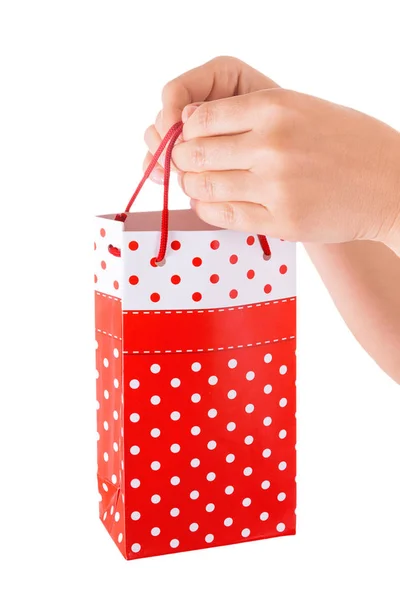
{"points": [[155, 297], [197, 297], [133, 280], [213, 264]]}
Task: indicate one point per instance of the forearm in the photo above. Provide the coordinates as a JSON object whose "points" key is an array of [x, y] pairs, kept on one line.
{"points": [[363, 279]]}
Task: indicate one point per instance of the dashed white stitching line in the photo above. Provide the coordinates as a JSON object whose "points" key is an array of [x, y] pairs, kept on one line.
{"points": [[109, 297], [186, 350], [109, 334], [210, 310]]}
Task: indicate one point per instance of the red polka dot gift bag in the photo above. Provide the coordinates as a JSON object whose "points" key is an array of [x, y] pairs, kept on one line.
{"points": [[195, 359]]}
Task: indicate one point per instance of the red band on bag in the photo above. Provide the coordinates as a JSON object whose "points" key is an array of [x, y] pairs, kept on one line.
{"points": [[207, 331], [167, 144]]}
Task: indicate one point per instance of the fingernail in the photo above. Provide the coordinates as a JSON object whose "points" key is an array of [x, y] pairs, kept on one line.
{"points": [[188, 111], [157, 175]]}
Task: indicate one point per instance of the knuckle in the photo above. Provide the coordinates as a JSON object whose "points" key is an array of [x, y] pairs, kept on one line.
{"points": [[207, 187], [277, 116], [281, 111], [228, 215], [206, 116], [280, 97], [198, 155]]}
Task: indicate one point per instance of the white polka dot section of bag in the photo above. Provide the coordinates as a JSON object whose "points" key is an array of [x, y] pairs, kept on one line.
{"points": [[202, 269], [195, 382]]}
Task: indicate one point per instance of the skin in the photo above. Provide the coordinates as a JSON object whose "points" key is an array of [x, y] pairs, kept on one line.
{"points": [[255, 157]]}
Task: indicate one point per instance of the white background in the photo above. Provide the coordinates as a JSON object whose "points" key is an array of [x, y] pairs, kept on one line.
{"points": [[80, 81]]}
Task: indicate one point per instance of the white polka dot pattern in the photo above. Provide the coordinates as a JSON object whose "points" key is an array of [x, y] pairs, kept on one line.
{"points": [[245, 466]]}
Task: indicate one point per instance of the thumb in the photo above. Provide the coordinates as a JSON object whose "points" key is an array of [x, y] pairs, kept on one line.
{"points": [[239, 216]]}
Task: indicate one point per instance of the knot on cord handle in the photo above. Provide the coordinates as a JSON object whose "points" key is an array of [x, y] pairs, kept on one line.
{"points": [[167, 144]]}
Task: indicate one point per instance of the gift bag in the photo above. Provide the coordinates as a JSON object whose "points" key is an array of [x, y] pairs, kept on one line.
{"points": [[195, 356]]}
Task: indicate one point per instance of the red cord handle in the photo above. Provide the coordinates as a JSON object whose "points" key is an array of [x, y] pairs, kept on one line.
{"points": [[167, 144]]}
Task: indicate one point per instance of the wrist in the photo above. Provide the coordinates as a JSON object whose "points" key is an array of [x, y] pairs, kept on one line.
{"points": [[392, 239], [387, 203]]}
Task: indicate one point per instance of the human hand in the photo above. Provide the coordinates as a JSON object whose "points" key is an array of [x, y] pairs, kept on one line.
{"points": [[293, 166], [221, 77], [272, 161]]}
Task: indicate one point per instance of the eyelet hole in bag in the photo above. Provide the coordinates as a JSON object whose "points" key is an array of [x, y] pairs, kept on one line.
{"points": [[160, 263], [167, 144], [114, 251]]}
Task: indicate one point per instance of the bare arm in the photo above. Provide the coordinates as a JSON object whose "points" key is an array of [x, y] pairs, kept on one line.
{"points": [[363, 279]]}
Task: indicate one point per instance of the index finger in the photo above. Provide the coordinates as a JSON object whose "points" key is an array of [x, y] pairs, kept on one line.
{"points": [[229, 116]]}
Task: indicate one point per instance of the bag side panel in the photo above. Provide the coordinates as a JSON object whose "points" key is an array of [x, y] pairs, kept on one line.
{"points": [[109, 382]]}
